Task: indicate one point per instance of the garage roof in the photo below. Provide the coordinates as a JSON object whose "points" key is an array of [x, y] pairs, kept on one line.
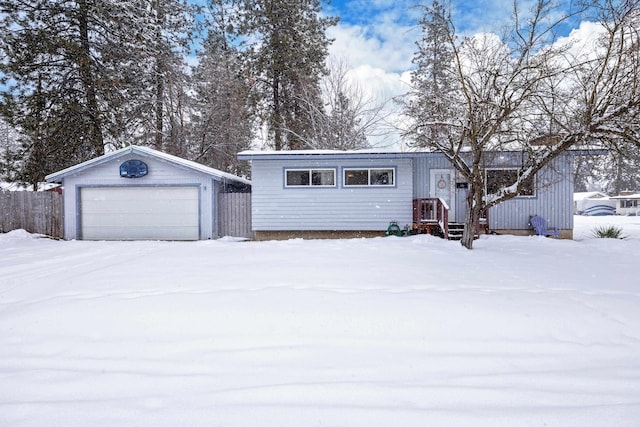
{"points": [[146, 152]]}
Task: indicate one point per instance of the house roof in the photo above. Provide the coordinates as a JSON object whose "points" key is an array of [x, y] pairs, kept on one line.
{"points": [[336, 154], [627, 196], [360, 154], [589, 195], [146, 152]]}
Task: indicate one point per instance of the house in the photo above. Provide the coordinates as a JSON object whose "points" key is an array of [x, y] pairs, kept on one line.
{"points": [[358, 193], [138, 193], [593, 203], [627, 203]]}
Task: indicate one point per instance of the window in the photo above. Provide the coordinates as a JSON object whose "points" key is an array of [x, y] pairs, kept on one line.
{"points": [[629, 204], [369, 177], [500, 178], [310, 177]]}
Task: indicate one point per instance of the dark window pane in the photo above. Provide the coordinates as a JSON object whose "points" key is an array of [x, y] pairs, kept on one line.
{"points": [[323, 177], [356, 177], [381, 176], [297, 177]]}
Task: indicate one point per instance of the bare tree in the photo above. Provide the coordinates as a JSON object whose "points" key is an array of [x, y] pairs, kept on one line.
{"points": [[526, 92], [348, 116]]}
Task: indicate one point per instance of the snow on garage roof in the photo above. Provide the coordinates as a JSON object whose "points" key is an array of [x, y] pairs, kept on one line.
{"points": [[149, 152]]}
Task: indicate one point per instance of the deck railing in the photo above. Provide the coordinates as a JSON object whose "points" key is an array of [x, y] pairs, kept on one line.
{"points": [[429, 212]]}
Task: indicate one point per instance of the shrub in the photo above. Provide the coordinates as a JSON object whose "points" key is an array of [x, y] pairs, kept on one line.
{"points": [[608, 232]]}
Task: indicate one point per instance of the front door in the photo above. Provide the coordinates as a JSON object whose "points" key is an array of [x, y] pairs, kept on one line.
{"points": [[442, 185]]}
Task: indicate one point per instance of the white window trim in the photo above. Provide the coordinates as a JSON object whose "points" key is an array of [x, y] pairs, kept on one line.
{"points": [[392, 184], [310, 171]]}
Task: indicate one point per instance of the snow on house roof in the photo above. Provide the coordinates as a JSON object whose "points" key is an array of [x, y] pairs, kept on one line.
{"points": [[628, 196], [374, 153], [589, 195], [146, 151], [368, 153]]}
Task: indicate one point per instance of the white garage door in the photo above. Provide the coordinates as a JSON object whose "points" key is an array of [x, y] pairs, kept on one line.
{"points": [[139, 213]]}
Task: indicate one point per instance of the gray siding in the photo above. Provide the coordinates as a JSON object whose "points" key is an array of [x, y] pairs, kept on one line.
{"points": [[275, 207], [553, 200], [160, 173], [423, 165]]}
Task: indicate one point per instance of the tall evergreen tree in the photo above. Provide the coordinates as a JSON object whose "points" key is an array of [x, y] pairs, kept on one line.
{"points": [[51, 67], [433, 97], [160, 105], [222, 123], [287, 50], [77, 72]]}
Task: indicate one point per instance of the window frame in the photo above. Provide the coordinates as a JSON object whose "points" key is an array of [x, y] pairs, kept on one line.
{"points": [[369, 170], [310, 172], [517, 171]]}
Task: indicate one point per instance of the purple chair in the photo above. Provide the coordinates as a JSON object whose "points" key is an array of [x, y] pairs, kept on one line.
{"points": [[540, 226]]}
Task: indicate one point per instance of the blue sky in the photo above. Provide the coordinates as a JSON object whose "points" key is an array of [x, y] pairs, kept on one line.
{"points": [[376, 38], [392, 23]]}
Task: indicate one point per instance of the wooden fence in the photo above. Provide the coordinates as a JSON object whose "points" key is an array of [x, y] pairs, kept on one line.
{"points": [[37, 212], [234, 215]]}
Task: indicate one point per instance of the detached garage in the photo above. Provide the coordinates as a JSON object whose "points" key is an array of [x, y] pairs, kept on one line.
{"points": [[138, 193]]}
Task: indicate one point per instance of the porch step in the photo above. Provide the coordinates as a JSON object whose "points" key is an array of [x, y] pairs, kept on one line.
{"points": [[455, 231]]}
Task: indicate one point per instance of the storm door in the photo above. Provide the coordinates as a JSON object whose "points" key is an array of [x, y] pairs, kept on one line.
{"points": [[442, 185]]}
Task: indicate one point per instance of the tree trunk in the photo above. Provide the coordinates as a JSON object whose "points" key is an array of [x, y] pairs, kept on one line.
{"points": [[276, 115], [159, 107], [160, 71], [95, 131], [474, 208]]}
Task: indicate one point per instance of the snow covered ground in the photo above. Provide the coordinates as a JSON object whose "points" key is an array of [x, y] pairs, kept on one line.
{"points": [[416, 331]]}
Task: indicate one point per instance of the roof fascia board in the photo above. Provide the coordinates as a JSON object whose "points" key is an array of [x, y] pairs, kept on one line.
{"points": [[337, 156], [311, 155], [57, 176]]}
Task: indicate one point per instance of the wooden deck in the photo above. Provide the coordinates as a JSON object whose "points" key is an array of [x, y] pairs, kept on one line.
{"points": [[431, 216]]}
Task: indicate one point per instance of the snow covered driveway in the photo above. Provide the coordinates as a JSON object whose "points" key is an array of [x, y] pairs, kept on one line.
{"points": [[372, 332]]}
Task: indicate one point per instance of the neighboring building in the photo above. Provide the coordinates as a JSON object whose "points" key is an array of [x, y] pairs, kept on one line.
{"points": [[138, 193], [358, 193], [627, 203], [593, 203]]}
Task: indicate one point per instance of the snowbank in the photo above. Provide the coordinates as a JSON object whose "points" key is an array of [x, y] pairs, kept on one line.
{"points": [[416, 331]]}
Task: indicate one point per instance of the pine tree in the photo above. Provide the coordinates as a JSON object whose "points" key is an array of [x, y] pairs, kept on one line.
{"points": [[222, 123], [54, 82], [432, 98], [287, 49], [81, 75], [160, 106]]}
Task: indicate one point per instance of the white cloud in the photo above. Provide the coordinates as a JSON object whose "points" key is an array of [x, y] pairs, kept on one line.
{"points": [[385, 48], [379, 57]]}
